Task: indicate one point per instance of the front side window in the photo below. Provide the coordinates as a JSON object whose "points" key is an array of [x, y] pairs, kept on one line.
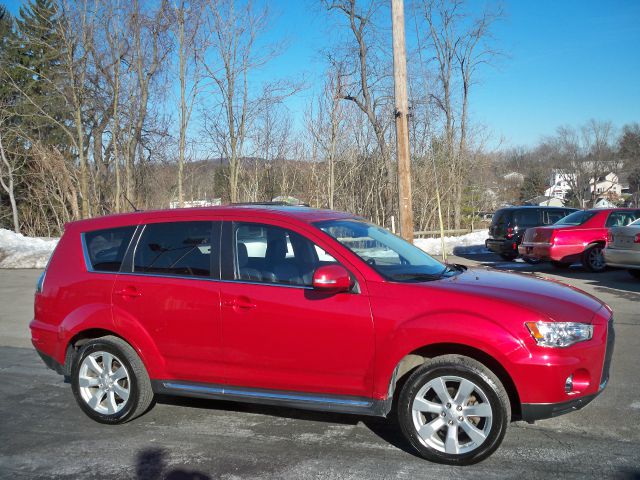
{"points": [[106, 248], [178, 248], [270, 254], [391, 256]]}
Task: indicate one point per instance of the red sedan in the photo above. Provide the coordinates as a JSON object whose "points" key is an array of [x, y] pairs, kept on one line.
{"points": [[312, 309], [578, 237]]}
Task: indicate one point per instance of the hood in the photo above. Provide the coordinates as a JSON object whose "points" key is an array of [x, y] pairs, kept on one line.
{"points": [[552, 299]]}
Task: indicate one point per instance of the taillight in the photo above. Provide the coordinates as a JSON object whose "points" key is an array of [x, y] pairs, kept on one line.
{"points": [[636, 239], [610, 237], [509, 232]]}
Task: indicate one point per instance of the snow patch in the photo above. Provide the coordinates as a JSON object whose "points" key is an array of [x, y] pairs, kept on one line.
{"points": [[18, 251], [469, 244]]}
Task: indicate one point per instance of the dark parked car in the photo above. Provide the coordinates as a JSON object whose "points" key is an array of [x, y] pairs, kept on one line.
{"points": [[509, 224]]}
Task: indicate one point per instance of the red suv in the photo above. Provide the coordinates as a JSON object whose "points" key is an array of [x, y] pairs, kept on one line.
{"points": [[312, 309], [581, 236]]}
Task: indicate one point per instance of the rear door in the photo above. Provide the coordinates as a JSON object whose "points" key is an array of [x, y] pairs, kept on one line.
{"points": [[170, 287], [281, 334]]}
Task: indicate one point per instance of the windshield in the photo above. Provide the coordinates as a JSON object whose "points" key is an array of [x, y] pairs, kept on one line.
{"points": [[391, 256], [576, 218]]}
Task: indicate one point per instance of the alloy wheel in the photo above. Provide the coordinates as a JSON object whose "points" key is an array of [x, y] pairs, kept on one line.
{"points": [[104, 382], [452, 415]]}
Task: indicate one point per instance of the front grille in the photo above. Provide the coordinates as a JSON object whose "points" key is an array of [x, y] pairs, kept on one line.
{"points": [[608, 354]]}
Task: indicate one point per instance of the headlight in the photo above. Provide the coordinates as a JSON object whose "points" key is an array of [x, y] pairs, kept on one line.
{"points": [[559, 334]]}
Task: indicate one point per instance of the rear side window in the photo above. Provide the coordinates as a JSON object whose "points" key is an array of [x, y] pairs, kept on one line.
{"points": [[106, 248], [177, 248], [549, 217], [527, 217]]}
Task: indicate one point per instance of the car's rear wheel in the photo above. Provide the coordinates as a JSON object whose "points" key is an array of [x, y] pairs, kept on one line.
{"points": [[453, 410], [634, 273], [109, 381], [593, 259], [561, 265]]}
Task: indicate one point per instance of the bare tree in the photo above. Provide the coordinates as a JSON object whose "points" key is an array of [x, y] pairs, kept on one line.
{"points": [[7, 179], [188, 19], [368, 70], [149, 49], [460, 44], [325, 123]]}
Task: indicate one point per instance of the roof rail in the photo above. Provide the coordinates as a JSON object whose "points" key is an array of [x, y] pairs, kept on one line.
{"points": [[272, 204]]}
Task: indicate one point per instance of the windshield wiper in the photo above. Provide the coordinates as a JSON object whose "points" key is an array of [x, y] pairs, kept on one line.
{"points": [[418, 276]]}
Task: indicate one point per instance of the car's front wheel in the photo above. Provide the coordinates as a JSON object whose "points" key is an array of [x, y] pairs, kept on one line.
{"points": [[453, 410], [109, 381]]}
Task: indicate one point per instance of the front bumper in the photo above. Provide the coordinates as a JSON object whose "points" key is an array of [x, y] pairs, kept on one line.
{"points": [[620, 257], [539, 411], [531, 412]]}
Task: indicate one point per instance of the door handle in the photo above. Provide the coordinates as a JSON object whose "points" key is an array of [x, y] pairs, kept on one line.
{"points": [[239, 302], [129, 292]]}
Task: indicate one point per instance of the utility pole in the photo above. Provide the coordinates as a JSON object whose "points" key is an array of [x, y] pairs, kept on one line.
{"points": [[402, 120]]}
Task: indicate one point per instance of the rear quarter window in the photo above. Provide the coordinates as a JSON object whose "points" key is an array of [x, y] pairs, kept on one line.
{"points": [[529, 217], [105, 249]]}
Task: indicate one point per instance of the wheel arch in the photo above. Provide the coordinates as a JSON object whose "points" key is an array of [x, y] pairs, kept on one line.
{"points": [[79, 329], [416, 358]]}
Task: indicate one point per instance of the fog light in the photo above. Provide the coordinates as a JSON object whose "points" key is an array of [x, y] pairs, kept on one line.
{"points": [[568, 384]]}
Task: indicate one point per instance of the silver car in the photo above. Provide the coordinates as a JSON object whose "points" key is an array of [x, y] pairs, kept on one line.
{"points": [[623, 248]]}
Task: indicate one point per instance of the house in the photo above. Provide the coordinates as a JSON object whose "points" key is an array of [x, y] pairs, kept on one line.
{"points": [[608, 185], [196, 203], [560, 184]]}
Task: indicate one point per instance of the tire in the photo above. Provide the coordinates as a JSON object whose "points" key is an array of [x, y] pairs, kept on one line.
{"points": [[593, 259], [447, 441], [560, 265], [508, 257], [634, 273], [532, 261], [123, 395]]}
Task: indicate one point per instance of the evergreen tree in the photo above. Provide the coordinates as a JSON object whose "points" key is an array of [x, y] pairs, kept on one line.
{"points": [[36, 68], [535, 183]]}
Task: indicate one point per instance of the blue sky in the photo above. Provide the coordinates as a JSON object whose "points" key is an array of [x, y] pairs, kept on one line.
{"points": [[566, 62]]}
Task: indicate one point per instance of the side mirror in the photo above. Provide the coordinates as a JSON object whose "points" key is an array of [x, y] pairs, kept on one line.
{"points": [[332, 278]]}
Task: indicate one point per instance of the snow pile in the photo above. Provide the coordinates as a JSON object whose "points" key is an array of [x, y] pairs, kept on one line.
{"points": [[469, 244], [18, 251]]}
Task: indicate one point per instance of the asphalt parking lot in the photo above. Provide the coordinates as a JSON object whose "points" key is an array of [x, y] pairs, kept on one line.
{"points": [[43, 434]]}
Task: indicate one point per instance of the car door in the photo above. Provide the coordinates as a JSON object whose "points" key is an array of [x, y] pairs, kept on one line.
{"points": [[278, 332], [170, 287]]}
